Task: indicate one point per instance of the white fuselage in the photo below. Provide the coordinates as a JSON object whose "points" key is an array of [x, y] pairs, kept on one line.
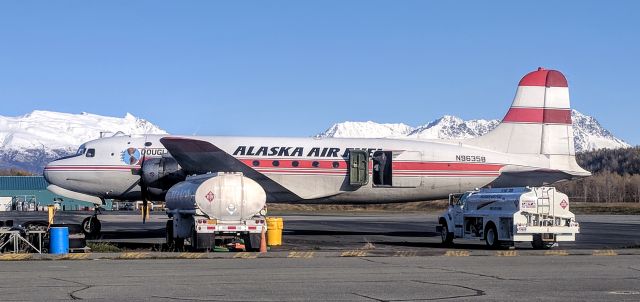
{"points": [[313, 169]]}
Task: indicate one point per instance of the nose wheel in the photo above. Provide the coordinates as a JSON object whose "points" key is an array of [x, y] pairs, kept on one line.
{"points": [[91, 225]]}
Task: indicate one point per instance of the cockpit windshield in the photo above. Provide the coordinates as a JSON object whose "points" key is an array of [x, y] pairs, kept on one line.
{"points": [[81, 150]]}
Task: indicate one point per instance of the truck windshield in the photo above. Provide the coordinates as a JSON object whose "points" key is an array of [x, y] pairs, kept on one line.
{"points": [[463, 198]]}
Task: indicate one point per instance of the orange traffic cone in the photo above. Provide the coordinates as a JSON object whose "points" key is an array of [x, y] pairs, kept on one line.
{"points": [[263, 241]]}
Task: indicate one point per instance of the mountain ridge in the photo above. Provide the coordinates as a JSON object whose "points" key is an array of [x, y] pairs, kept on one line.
{"points": [[588, 133], [32, 140]]}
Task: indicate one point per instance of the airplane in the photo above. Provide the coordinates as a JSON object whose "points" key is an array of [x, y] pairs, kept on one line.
{"points": [[532, 146]]}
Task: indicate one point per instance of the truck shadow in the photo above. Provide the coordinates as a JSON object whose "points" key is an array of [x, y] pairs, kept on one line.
{"points": [[346, 233]]}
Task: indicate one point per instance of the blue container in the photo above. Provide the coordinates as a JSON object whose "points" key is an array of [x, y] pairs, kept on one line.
{"points": [[59, 240]]}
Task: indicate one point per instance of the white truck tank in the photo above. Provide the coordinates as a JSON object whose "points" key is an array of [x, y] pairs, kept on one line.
{"points": [[222, 196]]}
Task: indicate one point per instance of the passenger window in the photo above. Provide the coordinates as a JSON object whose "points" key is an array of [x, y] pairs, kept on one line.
{"points": [[275, 163], [315, 164], [91, 152], [295, 163], [256, 163]]}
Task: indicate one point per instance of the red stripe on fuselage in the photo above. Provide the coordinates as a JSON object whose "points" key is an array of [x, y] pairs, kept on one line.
{"points": [[91, 168], [538, 115]]}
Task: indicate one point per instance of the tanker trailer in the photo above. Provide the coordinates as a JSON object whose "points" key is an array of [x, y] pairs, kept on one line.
{"points": [[216, 206]]}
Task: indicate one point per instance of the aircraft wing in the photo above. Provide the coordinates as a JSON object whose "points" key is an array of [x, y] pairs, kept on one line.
{"points": [[201, 157]]}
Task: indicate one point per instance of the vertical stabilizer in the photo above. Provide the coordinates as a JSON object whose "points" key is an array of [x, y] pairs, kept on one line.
{"points": [[538, 122]]}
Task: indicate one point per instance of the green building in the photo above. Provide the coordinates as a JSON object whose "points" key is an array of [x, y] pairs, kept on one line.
{"points": [[29, 193]]}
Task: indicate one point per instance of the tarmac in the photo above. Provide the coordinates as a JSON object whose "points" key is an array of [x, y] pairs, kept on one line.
{"points": [[341, 257]]}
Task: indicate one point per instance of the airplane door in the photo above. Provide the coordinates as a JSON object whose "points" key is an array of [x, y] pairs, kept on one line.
{"points": [[406, 169], [358, 168]]}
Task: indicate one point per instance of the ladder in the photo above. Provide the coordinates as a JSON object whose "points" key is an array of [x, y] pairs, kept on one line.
{"points": [[544, 206]]}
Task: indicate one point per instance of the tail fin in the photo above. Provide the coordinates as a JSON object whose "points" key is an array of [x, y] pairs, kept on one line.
{"points": [[538, 122]]}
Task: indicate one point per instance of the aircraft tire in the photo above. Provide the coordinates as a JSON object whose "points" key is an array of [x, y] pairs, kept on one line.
{"points": [[91, 227]]}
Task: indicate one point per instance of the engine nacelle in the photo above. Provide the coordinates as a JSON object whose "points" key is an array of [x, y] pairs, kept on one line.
{"points": [[160, 174], [223, 196]]}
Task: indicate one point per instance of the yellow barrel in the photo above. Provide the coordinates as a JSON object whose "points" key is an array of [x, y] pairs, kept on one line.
{"points": [[275, 226]]}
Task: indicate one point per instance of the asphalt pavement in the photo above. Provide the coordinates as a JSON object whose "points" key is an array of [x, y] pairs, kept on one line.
{"points": [[532, 278]]}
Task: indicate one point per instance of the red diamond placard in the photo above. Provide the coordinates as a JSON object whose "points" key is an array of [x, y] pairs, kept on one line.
{"points": [[209, 196], [564, 204]]}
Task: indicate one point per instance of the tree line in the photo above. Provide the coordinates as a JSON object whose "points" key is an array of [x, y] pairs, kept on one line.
{"points": [[14, 172], [616, 176]]}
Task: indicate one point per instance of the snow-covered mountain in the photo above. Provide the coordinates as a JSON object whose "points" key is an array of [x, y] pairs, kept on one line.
{"points": [[30, 141], [367, 130], [588, 133]]}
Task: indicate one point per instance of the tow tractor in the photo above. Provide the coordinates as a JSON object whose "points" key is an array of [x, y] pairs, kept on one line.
{"points": [[503, 216]]}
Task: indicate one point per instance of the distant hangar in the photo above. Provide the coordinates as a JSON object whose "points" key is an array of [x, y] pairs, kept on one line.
{"points": [[29, 193]]}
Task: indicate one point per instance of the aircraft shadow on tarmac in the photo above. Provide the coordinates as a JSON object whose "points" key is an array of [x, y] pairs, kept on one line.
{"points": [[412, 244]]}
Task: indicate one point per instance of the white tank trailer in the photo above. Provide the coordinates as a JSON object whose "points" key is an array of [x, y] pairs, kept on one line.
{"points": [[216, 206], [501, 216]]}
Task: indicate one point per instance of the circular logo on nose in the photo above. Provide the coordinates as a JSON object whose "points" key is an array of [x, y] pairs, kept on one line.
{"points": [[131, 156]]}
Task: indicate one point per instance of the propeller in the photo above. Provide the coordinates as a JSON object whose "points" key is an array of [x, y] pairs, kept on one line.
{"points": [[144, 190]]}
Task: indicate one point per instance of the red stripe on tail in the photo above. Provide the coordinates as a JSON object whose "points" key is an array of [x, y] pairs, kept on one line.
{"points": [[542, 77], [538, 115]]}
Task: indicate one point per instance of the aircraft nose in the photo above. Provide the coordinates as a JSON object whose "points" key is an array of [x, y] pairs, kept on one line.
{"points": [[50, 174]]}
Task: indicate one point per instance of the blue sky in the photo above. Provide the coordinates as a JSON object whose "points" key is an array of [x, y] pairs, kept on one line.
{"points": [[293, 68]]}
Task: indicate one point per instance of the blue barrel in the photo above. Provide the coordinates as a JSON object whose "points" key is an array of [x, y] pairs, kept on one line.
{"points": [[59, 240]]}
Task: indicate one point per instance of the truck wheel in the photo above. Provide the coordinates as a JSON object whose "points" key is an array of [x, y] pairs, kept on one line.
{"points": [[540, 244], [445, 235], [178, 245], [169, 234], [194, 240], [252, 242], [491, 237]]}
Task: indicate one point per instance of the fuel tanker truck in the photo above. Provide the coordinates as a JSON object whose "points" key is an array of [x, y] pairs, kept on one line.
{"points": [[215, 206], [502, 216]]}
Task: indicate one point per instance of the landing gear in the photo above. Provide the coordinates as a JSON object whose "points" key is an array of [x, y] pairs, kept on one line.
{"points": [[91, 225]]}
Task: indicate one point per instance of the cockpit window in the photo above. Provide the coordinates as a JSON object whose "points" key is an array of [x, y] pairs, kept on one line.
{"points": [[81, 150], [91, 152]]}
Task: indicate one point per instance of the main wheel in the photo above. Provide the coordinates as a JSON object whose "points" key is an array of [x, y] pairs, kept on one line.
{"points": [[91, 227], [445, 235], [491, 238]]}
